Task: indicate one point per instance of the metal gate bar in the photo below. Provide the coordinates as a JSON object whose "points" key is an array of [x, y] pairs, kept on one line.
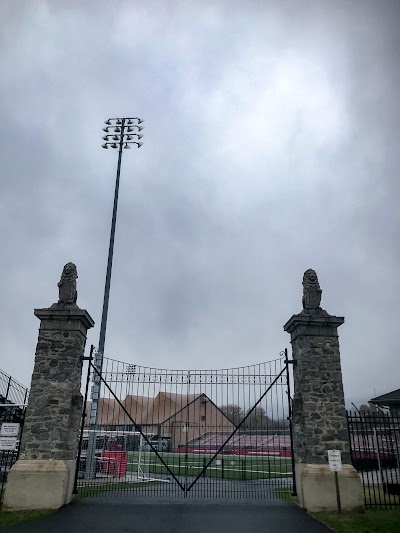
{"points": [[199, 433], [237, 428], [137, 427], [375, 454]]}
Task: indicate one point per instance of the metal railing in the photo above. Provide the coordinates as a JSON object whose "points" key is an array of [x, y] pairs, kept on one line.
{"points": [[11, 391], [375, 453], [13, 400], [7, 459]]}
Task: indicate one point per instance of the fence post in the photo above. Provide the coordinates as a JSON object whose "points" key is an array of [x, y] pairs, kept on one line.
{"points": [[8, 387]]}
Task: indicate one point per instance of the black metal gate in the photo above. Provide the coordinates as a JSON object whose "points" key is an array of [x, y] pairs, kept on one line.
{"points": [[375, 454], [188, 433]]}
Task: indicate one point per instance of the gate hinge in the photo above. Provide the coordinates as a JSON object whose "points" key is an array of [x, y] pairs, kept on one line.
{"points": [[89, 358], [291, 361]]}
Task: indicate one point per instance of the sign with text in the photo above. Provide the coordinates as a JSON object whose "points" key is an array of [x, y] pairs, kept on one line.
{"points": [[8, 443], [335, 460], [9, 430]]}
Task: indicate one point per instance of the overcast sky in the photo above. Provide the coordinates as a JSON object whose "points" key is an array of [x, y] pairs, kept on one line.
{"points": [[271, 146]]}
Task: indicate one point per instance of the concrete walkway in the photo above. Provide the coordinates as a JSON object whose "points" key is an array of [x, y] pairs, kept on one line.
{"points": [[122, 516]]}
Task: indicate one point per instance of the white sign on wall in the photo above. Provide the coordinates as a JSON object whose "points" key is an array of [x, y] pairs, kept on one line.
{"points": [[335, 460], [8, 443], [9, 430]]}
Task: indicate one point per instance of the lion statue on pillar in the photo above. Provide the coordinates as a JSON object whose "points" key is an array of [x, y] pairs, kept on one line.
{"points": [[67, 285], [311, 290]]}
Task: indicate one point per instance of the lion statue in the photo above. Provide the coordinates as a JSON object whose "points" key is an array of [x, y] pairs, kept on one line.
{"points": [[311, 290], [67, 285]]}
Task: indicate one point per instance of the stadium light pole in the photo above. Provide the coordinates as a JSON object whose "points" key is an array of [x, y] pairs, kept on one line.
{"points": [[121, 133]]}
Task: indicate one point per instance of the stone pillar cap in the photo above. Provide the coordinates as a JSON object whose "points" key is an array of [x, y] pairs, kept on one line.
{"points": [[317, 318], [65, 312]]}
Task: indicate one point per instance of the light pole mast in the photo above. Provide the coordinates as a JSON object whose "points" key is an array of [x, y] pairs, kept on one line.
{"points": [[121, 133]]}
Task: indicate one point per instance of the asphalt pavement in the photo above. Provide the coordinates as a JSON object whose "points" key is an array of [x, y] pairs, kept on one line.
{"points": [[110, 515]]}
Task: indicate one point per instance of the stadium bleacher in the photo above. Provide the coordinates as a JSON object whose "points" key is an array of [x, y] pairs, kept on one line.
{"points": [[241, 444]]}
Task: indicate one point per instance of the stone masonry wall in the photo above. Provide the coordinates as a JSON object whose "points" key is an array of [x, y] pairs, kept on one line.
{"points": [[55, 402], [319, 414]]}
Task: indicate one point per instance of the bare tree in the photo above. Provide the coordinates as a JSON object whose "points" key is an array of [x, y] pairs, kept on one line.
{"points": [[233, 412], [370, 409], [257, 420]]}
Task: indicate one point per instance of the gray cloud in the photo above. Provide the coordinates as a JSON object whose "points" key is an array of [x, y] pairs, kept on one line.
{"points": [[270, 147]]}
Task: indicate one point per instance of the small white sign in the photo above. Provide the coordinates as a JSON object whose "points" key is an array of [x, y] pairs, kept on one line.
{"points": [[335, 460], [8, 443], [218, 462], [9, 430]]}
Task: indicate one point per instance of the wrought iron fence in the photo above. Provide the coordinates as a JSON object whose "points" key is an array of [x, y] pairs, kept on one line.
{"points": [[7, 459], [11, 391], [13, 400], [375, 453], [188, 433]]}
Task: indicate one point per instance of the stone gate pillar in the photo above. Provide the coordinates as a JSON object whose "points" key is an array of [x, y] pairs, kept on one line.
{"points": [[319, 416], [43, 476]]}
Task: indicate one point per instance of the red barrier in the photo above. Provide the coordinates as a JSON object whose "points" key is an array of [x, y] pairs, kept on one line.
{"points": [[237, 451], [114, 463]]}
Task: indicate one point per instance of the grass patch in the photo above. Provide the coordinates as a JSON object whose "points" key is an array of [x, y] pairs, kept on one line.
{"points": [[98, 488], [381, 521], [285, 494], [376, 495], [224, 466], [228, 467], [8, 518]]}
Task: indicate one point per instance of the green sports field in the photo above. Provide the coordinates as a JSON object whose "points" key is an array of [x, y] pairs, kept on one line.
{"points": [[244, 467]]}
